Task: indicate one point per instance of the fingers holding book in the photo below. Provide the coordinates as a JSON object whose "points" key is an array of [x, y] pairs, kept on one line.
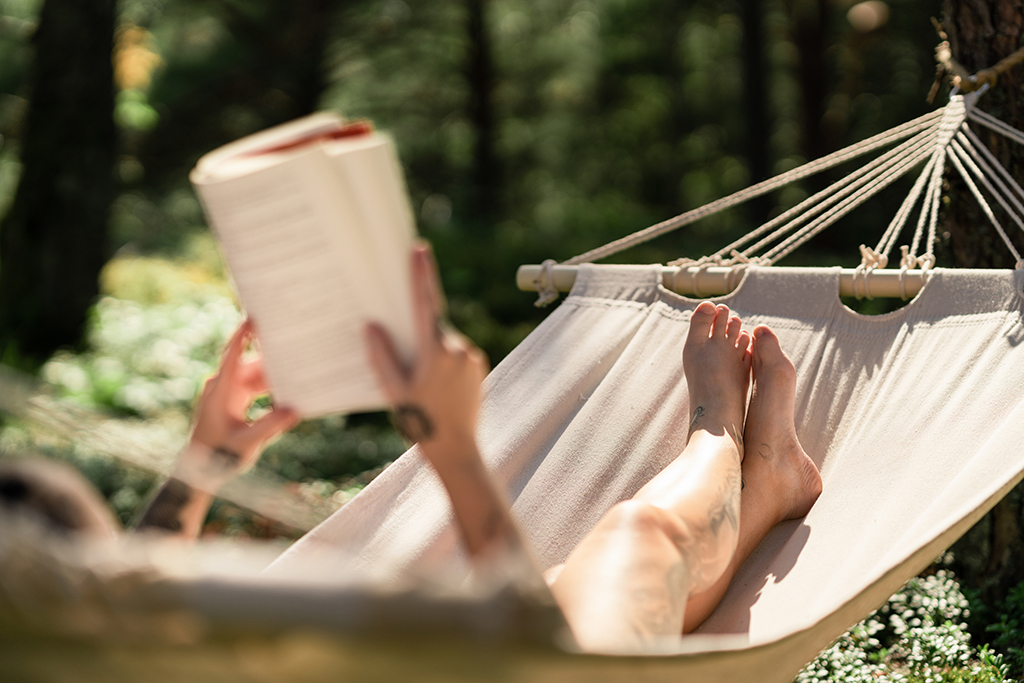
{"points": [[436, 400], [222, 432]]}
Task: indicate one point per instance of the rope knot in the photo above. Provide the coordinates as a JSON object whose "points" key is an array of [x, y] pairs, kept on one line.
{"points": [[545, 283], [871, 259]]}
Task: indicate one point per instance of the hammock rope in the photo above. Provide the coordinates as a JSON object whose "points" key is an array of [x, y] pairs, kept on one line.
{"points": [[935, 139]]}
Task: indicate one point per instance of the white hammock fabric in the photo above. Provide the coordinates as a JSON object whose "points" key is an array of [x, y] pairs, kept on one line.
{"points": [[915, 418]]}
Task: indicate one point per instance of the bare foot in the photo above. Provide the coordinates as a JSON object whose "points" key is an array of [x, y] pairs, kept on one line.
{"points": [[716, 362], [776, 463]]}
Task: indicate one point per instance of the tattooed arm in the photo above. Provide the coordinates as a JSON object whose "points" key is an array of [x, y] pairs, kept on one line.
{"points": [[436, 403], [223, 444]]}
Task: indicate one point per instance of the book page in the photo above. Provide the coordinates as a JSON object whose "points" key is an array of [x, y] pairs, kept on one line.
{"points": [[370, 170], [281, 230]]}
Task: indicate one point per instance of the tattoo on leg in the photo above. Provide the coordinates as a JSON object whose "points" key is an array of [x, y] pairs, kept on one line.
{"points": [[697, 415], [658, 610], [413, 422], [165, 510], [730, 507], [766, 451]]}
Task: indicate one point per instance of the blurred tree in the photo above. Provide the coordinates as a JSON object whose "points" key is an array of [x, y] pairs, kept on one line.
{"points": [[755, 103], [235, 67], [53, 241], [485, 199], [809, 20]]}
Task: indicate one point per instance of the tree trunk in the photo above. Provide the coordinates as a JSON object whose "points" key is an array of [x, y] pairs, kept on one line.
{"points": [[53, 242], [809, 19], [981, 32], [486, 179], [990, 557], [755, 104]]}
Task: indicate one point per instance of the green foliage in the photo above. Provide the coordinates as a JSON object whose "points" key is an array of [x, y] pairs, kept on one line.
{"points": [[148, 356], [145, 360], [1009, 629], [917, 636]]}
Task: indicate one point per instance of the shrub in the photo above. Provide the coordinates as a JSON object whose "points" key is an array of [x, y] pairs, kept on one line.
{"points": [[917, 636]]}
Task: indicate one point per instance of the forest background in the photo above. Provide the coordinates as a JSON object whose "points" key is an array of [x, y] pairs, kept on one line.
{"points": [[528, 130]]}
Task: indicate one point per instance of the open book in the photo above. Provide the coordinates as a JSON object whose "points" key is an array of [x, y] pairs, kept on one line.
{"points": [[315, 225]]}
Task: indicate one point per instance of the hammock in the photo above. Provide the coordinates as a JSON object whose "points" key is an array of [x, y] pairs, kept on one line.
{"points": [[915, 419]]}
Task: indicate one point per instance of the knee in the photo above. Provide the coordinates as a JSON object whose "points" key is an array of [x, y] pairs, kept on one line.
{"points": [[644, 520]]}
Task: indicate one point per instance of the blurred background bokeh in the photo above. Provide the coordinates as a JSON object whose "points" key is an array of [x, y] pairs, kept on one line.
{"points": [[528, 130]]}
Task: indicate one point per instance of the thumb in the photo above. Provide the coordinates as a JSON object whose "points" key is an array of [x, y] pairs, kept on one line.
{"points": [[274, 423], [389, 369]]}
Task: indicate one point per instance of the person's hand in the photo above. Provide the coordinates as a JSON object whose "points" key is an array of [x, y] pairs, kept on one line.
{"points": [[436, 401], [224, 444]]}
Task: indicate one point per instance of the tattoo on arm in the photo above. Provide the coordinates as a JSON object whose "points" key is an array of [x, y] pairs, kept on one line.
{"points": [[497, 532], [413, 422], [165, 510], [224, 459], [494, 526]]}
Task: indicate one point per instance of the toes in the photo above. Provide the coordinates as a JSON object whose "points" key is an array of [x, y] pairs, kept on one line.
{"points": [[766, 345], [768, 356], [721, 321], [702, 320], [743, 343], [733, 329]]}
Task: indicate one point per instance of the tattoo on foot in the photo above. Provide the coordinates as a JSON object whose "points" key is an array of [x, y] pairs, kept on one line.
{"points": [[165, 510], [766, 451], [697, 415], [413, 423]]}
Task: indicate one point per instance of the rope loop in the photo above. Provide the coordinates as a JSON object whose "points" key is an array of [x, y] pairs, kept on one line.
{"points": [[695, 277], [738, 257], [686, 261], [859, 281], [903, 283], [735, 276], [907, 261], [926, 261], [545, 283], [869, 258]]}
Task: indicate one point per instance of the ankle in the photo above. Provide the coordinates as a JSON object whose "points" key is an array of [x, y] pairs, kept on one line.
{"points": [[717, 437]]}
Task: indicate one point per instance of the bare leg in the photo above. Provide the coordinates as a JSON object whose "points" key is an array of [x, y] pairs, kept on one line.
{"points": [[626, 584], [780, 481]]}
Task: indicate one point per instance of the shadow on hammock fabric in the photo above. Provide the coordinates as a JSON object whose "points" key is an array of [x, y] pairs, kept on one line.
{"points": [[915, 419]]}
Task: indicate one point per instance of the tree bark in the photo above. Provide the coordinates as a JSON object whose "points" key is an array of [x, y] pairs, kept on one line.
{"points": [[756, 114], [981, 32], [486, 181], [53, 242], [809, 19], [990, 557]]}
